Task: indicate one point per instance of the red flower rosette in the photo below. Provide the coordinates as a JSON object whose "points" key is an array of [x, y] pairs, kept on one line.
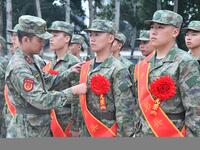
{"points": [[162, 89], [100, 85]]}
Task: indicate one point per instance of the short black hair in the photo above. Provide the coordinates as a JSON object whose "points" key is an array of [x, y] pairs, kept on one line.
{"points": [[21, 34]]}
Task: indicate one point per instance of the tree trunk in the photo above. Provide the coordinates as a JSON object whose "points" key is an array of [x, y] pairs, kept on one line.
{"points": [[176, 6], [133, 39], [67, 11], [8, 17], [38, 8], [91, 11], [1, 17], [133, 33], [117, 14], [158, 4]]}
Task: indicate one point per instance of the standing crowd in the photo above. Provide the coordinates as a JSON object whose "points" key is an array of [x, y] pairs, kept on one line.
{"points": [[107, 96]]}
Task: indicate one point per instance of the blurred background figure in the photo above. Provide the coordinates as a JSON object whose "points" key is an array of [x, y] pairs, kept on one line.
{"points": [[14, 41], [145, 45], [76, 45], [192, 38]]}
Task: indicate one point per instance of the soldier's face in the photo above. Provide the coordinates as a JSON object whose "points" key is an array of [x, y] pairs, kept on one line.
{"points": [[146, 48], [36, 44], [15, 40], [161, 35], [116, 46], [58, 41], [75, 48], [192, 39], [100, 41]]}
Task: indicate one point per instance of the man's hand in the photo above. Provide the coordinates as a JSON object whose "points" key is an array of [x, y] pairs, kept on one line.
{"points": [[77, 68], [79, 89]]}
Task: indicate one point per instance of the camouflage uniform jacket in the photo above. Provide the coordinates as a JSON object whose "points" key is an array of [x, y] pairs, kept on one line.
{"points": [[3, 64], [119, 99], [66, 113], [184, 70], [196, 58], [37, 99]]}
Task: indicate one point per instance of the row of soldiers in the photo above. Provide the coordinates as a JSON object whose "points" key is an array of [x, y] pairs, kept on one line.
{"points": [[107, 96]]}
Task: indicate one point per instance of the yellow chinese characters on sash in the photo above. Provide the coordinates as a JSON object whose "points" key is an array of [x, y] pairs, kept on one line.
{"points": [[95, 127], [160, 124]]}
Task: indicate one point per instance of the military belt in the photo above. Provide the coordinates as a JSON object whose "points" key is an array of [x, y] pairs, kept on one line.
{"points": [[31, 110], [105, 115], [176, 116]]}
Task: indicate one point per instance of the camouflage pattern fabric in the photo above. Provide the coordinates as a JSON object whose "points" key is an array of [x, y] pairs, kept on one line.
{"points": [[184, 70], [144, 35], [77, 39], [69, 112], [193, 25], [62, 26], [121, 38], [119, 99], [100, 25], [166, 17], [14, 29], [34, 25], [130, 66], [3, 65], [28, 91]]}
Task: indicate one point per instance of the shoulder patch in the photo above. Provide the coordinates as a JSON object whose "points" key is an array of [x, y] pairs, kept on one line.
{"points": [[28, 84]]}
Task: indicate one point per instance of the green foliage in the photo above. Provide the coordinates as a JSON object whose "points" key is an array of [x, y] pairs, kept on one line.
{"points": [[134, 12], [49, 11]]}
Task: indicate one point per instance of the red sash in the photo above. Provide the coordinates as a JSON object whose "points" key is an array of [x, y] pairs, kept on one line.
{"points": [[56, 129], [95, 127], [136, 66], [11, 107], [55, 126], [47, 69], [160, 124]]}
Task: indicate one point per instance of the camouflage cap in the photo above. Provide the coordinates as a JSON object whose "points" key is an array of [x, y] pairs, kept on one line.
{"points": [[100, 25], [77, 39], [62, 26], [14, 29], [120, 37], [193, 25], [144, 35], [166, 17], [34, 25]]}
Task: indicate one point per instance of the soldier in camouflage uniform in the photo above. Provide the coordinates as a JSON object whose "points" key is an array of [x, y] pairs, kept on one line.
{"points": [[76, 45], [117, 46], [14, 45], [63, 60], [119, 99], [192, 39], [14, 39], [26, 84], [145, 46], [3, 65], [183, 108]]}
